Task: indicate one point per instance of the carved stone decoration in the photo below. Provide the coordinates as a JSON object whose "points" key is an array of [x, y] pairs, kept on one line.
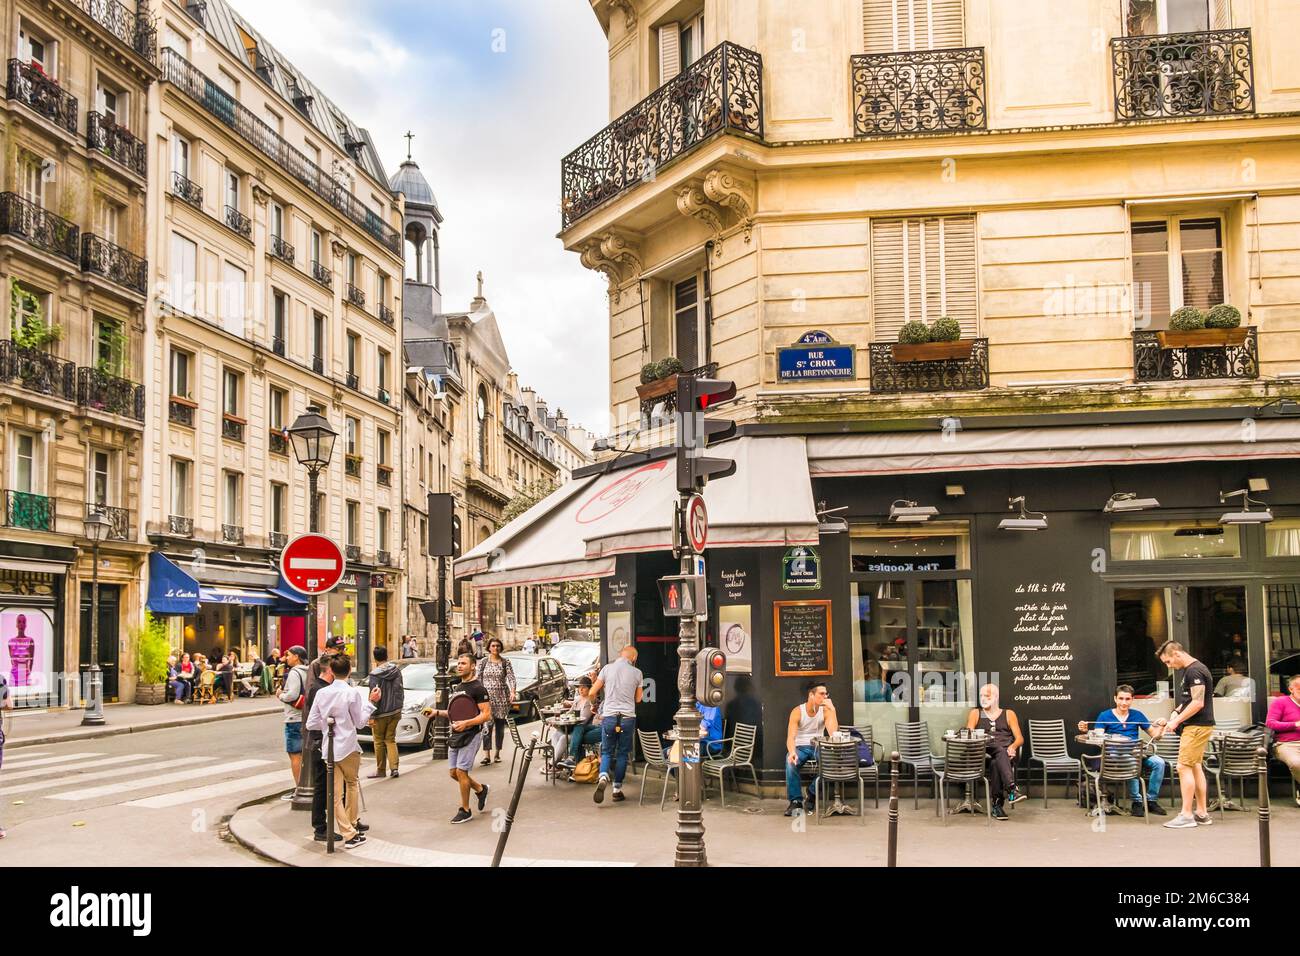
{"points": [[338, 397], [618, 249], [261, 195], [594, 258], [629, 11], [692, 202], [259, 364], [338, 247], [729, 191]]}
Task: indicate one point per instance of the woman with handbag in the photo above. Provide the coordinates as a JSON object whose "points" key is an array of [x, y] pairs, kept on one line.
{"points": [[498, 678]]}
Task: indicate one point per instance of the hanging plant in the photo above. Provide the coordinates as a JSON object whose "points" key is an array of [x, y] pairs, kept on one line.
{"points": [[32, 332]]}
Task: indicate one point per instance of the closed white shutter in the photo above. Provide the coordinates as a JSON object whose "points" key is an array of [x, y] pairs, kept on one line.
{"points": [[960, 295], [888, 282], [947, 24], [922, 269], [1220, 14], [670, 51], [183, 274], [891, 26]]}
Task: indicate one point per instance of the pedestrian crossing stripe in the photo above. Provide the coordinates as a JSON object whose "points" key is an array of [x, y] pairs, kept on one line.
{"points": [[199, 794], [108, 790], [6, 775], [101, 774], [22, 764], [25, 753]]}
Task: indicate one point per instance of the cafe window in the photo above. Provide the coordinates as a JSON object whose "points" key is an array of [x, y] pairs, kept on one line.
{"points": [[1173, 540], [886, 549], [1282, 538], [1282, 620]]}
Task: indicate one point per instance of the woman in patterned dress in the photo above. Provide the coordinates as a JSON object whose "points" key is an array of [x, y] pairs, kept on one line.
{"points": [[498, 678]]}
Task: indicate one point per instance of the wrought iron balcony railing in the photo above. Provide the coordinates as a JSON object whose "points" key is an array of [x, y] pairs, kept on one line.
{"points": [[198, 11], [278, 346], [282, 250], [237, 221], [384, 396], [133, 29], [384, 475], [356, 296], [187, 190], [923, 91], [114, 263], [117, 143], [723, 90], [279, 539], [352, 466], [1157, 359], [353, 552], [211, 97], [108, 393], [180, 525], [351, 380], [1209, 73], [322, 275], [966, 373], [318, 364], [22, 509], [39, 228], [232, 533], [38, 371], [383, 559], [29, 85], [232, 428], [180, 411], [386, 316], [119, 520], [277, 442]]}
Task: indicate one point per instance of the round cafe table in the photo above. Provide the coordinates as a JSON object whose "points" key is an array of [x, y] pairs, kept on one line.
{"points": [[563, 721], [838, 807], [968, 804]]}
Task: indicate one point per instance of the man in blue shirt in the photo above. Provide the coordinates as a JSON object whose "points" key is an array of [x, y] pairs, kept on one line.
{"points": [[1123, 721]]}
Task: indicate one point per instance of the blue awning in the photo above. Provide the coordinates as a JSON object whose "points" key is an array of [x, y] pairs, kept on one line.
{"points": [[224, 595], [171, 590], [287, 600]]}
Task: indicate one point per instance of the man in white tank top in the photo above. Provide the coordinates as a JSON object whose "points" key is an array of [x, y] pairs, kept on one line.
{"points": [[810, 720]]}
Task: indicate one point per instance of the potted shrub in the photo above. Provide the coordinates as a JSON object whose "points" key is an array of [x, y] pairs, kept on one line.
{"points": [[940, 341], [663, 381], [152, 650], [1190, 328]]}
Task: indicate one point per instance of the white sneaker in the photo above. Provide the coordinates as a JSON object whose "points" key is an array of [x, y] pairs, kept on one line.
{"points": [[1182, 822], [287, 796], [601, 784]]}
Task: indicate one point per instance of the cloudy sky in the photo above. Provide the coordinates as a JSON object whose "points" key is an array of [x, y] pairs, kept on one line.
{"points": [[496, 93]]}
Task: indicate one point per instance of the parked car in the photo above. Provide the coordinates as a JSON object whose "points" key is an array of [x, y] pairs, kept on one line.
{"points": [[413, 729], [539, 682], [578, 658]]}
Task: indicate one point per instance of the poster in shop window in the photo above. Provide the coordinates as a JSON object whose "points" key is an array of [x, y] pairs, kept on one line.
{"points": [[734, 637], [27, 651], [618, 626]]}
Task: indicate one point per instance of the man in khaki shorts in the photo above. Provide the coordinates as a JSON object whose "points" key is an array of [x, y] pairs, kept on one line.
{"points": [[1193, 719]]}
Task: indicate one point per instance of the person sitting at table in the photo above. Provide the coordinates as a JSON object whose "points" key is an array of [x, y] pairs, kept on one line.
{"points": [[1002, 731], [587, 729], [1123, 721], [226, 677], [812, 719], [252, 683], [180, 688], [1235, 683], [873, 689]]}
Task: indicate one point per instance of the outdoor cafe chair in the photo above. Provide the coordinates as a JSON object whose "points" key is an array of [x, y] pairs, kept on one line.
{"points": [[1121, 761], [1234, 758], [1167, 747], [740, 754], [652, 749], [836, 763], [1048, 750], [871, 773], [962, 762], [204, 690], [517, 758], [913, 742]]}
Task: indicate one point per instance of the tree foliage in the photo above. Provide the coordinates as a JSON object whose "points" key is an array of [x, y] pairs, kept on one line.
{"points": [[528, 496]]}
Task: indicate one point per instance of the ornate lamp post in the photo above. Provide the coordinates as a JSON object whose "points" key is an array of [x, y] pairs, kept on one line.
{"points": [[97, 527], [313, 446]]}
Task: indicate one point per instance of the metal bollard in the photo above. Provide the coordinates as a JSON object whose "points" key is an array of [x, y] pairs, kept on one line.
{"points": [[514, 801], [1261, 768], [329, 793], [892, 853]]}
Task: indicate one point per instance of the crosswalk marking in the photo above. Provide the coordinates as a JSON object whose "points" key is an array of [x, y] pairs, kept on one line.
{"points": [[23, 764], [110, 789], [103, 774], [6, 776], [25, 753], [199, 794]]}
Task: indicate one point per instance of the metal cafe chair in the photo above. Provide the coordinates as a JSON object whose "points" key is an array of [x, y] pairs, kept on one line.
{"points": [[517, 757], [652, 749], [741, 754], [1049, 750], [1121, 761], [836, 763], [962, 762], [1167, 747], [1234, 758], [913, 742], [871, 773]]}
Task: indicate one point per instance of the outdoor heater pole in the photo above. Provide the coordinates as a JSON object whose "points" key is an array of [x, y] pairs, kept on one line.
{"points": [[690, 813], [442, 655], [302, 797]]}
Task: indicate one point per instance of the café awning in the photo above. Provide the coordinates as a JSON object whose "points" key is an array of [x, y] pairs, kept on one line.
{"points": [[979, 449], [171, 590], [215, 595], [578, 531]]}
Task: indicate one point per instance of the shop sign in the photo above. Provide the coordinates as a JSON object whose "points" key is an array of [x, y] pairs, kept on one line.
{"points": [[815, 356], [801, 569], [890, 564]]}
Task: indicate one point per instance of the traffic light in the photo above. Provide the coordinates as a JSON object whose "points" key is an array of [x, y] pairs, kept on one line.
{"points": [[683, 595], [442, 524], [710, 677], [695, 432]]}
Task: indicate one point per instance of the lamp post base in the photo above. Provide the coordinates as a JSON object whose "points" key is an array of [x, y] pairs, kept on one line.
{"points": [[302, 797], [94, 714]]}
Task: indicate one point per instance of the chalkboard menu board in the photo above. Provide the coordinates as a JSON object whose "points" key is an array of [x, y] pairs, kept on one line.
{"points": [[803, 637]]}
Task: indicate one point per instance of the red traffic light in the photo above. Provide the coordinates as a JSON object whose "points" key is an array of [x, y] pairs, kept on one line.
{"points": [[718, 660], [712, 391]]}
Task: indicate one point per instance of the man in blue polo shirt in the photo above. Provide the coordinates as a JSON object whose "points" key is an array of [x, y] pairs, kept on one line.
{"points": [[1123, 721]]}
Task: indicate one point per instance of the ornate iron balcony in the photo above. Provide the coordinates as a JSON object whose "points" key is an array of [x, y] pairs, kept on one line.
{"points": [[322, 275], [198, 11], [353, 552], [26, 510], [279, 539], [38, 227], [1155, 360], [384, 475], [277, 346], [384, 396], [277, 442], [114, 263], [134, 30], [28, 84], [723, 90], [38, 371], [180, 411], [180, 525], [669, 399], [350, 378], [119, 520], [117, 143], [281, 250], [889, 375], [386, 316], [232, 428], [923, 91], [232, 533], [237, 221], [318, 364], [1183, 74], [301, 98], [352, 466], [108, 393], [189, 191], [356, 296], [211, 97], [383, 559]]}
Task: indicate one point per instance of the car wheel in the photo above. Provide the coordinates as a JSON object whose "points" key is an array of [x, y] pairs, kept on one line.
{"points": [[428, 734]]}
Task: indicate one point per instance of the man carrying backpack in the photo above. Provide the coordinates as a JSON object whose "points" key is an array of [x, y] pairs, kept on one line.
{"points": [[387, 695], [293, 695]]}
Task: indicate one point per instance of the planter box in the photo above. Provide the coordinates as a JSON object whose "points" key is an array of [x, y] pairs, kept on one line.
{"points": [[657, 389], [151, 693], [934, 351], [1202, 338]]}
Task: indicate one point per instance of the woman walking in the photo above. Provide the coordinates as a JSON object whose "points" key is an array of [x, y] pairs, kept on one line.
{"points": [[498, 677]]}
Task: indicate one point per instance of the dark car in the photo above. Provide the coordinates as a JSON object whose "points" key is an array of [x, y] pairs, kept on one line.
{"points": [[539, 682]]}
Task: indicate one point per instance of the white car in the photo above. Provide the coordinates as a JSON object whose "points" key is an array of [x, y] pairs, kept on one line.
{"points": [[413, 729], [578, 658]]}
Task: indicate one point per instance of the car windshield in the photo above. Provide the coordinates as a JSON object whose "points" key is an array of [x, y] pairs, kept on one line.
{"points": [[525, 668], [575, 653], [419, 676]]}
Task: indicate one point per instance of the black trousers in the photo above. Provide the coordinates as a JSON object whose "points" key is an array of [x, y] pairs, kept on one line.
{"points": [[318, 820], [499, 725], [1002, 776]]}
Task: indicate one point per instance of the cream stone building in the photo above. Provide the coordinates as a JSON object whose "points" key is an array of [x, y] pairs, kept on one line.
{"points": [[72, 352], [276, 282]]}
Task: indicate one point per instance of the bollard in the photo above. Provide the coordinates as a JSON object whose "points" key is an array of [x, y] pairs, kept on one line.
{"points": [[892, 852], [1261, 767], [330, 822], [514, 802]]}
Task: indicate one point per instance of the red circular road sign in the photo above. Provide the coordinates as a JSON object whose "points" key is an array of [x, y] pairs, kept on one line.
{"points": [[697, 523], [312, 564]]}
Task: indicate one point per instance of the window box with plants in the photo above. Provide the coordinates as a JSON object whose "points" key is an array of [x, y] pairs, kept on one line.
{"points": [[659, 379], [930, 358], [938, 342], [1190, 328], [352, 466]]}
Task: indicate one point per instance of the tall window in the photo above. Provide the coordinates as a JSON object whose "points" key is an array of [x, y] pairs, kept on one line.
{"points": [[233, 504], [923, 269], [352, 436], [354, 349], [381, 289], [383, 448], [277, 401], [26, 475], [352, 268], [180, 373], [100, 477], [687, 323], [180, 487], [184, 274], [279, 321], [318, 340], [383, 370], [112, 104], [33, 47], [32, 182], [181, 155], [232, 385], [232, 312], [382, 529], [277, 220], [110, 345], [107, 216], [354, 523], [315, 246], [481, 416], [1154, 17], [1177, 262], [680, 43], [279, 497]]}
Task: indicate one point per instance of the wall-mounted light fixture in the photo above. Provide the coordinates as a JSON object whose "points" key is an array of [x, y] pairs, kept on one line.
{"points": [[903, 511], [1245, 515], [1123, 501], [1026, 520]]}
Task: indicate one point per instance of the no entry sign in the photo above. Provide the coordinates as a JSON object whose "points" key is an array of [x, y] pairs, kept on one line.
{"points": [[312, 564]]}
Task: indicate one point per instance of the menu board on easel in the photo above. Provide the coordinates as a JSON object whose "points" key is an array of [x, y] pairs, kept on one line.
{"points": [[803, 638]]}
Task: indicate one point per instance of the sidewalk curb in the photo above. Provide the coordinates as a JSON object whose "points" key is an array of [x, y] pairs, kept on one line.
{"points": [[112, 731]]}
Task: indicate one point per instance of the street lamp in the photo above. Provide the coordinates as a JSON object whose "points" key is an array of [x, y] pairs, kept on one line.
{"points": [[97, 527], [313, 446]]}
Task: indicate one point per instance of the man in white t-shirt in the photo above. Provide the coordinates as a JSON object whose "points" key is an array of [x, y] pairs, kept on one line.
{"points": [[621, 682], [530, 645]]}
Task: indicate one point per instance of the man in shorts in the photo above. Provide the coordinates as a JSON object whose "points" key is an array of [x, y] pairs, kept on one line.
{"points": [[293, 691], [1193, 719], [466, 737]]}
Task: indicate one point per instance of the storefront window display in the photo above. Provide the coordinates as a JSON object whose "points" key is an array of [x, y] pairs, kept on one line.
{"points": [[1282, 620], [27, 652], [1282, 538], [1173, 540]]}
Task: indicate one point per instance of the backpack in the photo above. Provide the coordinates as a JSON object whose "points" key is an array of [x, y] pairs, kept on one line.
{"points": [[587, 770], [865, 757]]}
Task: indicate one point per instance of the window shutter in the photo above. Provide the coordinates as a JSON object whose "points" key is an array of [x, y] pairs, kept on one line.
{"points": [[878, 19], [960, 299], [922, 269], [1220, 14], [888, 286], [891, 26], [670, 51], [947, 24]]}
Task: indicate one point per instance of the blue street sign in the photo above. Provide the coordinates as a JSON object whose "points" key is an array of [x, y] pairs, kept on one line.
{"points": [[815, 356]]}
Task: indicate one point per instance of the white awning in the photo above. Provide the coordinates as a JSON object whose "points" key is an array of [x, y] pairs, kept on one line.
{"points": [[578, 531], [988, 448]]}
